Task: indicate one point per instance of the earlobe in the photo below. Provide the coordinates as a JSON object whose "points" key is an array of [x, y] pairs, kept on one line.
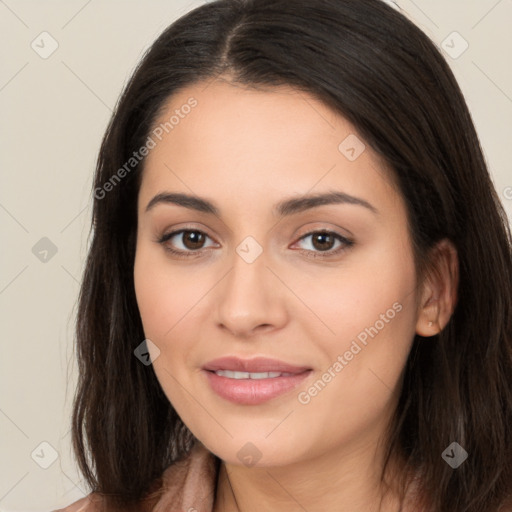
{"points": [[440, 286], [428, 318]]}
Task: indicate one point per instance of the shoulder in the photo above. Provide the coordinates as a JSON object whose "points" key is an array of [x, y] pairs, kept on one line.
{"points": [[187, 484], [90, 503]]}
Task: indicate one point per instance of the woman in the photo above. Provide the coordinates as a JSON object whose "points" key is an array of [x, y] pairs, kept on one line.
{"points": [[298, 292]]}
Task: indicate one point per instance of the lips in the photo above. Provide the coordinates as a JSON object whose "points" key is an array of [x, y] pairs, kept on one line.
{"points": [[253, 381], [255, 365]]}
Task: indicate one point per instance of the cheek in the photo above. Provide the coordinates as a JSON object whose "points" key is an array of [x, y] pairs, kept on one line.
{"points": [[165, 294], [165, 299], [364, 293], [368, 312]]}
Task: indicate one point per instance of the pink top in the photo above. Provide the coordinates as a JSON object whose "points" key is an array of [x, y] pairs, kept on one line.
{"points": [[187, 486]]}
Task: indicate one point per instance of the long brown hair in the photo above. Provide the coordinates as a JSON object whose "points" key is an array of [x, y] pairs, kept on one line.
{"points": [[373, 66]]}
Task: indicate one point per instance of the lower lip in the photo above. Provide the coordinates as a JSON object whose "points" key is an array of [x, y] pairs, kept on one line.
{"points": [[253, 391]]}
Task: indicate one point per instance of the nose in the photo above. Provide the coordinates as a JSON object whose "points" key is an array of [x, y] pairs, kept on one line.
{"points": [[250, 299]]}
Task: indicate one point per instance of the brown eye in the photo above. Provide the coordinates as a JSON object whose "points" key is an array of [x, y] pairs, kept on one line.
{"points": [[323, 241], [187, 242], [193, 239]]}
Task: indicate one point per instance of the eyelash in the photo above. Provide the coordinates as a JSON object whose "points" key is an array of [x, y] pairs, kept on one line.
{"points": [[346, 244]]}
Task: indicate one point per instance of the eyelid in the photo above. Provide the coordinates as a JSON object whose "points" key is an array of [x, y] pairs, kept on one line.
{"points": [[323, 227], [327, 227]]}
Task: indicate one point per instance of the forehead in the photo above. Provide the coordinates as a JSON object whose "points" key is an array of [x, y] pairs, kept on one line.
{"points": [[230, 118], [224, 137]]}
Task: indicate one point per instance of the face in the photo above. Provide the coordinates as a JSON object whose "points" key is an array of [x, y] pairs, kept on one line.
{"points": [[313, 303]]}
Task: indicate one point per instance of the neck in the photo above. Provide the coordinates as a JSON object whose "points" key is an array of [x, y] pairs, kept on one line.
{"points": [[337, 481]]}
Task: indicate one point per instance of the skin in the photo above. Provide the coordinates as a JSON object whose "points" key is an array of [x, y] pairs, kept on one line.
{"points": [[246, 150]]}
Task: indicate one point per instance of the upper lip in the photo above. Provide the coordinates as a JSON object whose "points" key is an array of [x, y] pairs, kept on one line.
{"points": [[254, 365]]}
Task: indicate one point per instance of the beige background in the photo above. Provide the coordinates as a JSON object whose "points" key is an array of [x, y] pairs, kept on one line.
{"points": [[54, 112]]}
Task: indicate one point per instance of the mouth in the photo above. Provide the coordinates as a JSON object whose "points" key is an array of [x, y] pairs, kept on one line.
{"points": [[251, 375], [253, 381]]}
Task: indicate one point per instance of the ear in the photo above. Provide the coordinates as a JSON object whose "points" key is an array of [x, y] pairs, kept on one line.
{"points": [[439, 290]]}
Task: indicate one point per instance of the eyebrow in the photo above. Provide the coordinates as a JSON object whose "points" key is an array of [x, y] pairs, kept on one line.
{"points": [[282, 209]]}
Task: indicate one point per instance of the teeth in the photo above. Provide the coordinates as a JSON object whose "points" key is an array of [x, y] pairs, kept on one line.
{"points": [[247, 375]]}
